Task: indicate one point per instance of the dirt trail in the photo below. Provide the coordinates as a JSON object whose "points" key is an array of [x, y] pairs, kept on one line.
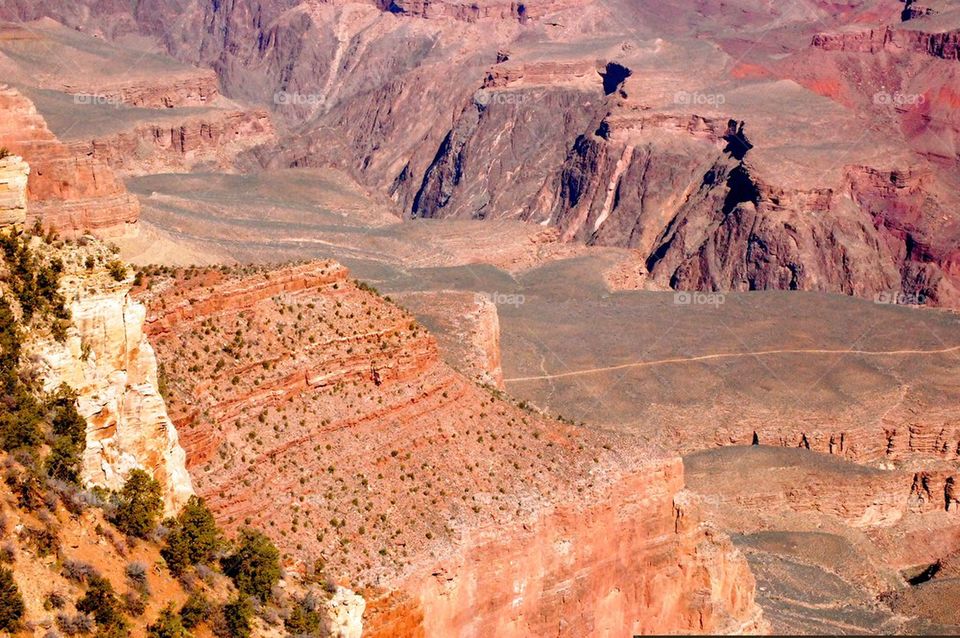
{"points": [[732, 355]]}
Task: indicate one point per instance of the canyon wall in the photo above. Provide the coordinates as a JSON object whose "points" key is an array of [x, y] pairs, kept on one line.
{"points": [[13, 190], [636, 560], [69, 192], [198, 87], [570, 115], [107, 360], [324, 414], [945, 44], [211, 141]]}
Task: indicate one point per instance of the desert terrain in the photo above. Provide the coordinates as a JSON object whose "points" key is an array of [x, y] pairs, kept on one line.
{"points": [[569, 318]]}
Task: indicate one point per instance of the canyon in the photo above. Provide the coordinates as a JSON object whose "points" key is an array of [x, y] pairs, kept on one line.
{"points": [[595, 318], [424, 472], [568, 116], [69, 192]]}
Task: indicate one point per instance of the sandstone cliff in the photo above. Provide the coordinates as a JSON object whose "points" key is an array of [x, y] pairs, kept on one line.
{"points": [[69, 192], [324, 413], [107, 360], [13, 190]]}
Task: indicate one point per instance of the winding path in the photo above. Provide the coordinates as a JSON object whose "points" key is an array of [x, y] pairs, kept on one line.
{"points": [[731, 355]]}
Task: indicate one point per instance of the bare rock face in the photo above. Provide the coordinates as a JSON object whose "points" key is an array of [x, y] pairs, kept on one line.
{"points": [[210, 141], [468, 328], [798, 513], [571, 565], [609, 122], [71, 193], [108, 361], [13, 190], [325, 413], [344, 611]]}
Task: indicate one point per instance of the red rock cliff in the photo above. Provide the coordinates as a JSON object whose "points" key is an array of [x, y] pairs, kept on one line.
{"points": [[70, 192], [323, 413]]}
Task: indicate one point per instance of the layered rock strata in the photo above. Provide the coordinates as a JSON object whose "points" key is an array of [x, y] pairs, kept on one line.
{"points": [[107, 360], [13, 190], [71, 193], [323, 413]]}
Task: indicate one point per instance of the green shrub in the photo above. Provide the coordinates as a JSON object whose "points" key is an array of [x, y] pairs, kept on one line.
{"points": [[66, 420], [195, 610], [194, 537], [255, 565], [11, 602], [35, 284], [167, 625], [304, 619], [20, 420], [117, 270], [237, 615], [139, 505], [100, 602], [63, 462]]}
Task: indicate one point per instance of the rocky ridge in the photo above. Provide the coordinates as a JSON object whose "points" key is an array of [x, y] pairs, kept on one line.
{"points": [[333, 404], [213, 140], [106, 359], [71, 193]]}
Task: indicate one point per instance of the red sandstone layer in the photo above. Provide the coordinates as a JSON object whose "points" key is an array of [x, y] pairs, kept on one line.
{"points": [[322, 413], [70, 192]]}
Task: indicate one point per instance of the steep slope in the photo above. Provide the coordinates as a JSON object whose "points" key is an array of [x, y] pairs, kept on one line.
{"points": [[13, 190], [575, 116], [134, 110], [100, 353], [836, 546], [322, 412], [66, 191]]}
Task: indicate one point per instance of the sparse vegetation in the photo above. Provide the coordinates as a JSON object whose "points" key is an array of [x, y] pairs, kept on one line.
{"points": [[167, 625], [237, 616], [117, 269], [305, 618], [194, 537], [11, 602], [100, 602], [255, 564], [195, 610], [138, 505]]}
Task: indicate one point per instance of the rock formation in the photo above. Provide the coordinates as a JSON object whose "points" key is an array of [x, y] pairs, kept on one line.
{"points": [[13, 190], [810, 523], [209, 141], [70, 193], [107, 360], [469, 331], [557, 116], [324, 413]]}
